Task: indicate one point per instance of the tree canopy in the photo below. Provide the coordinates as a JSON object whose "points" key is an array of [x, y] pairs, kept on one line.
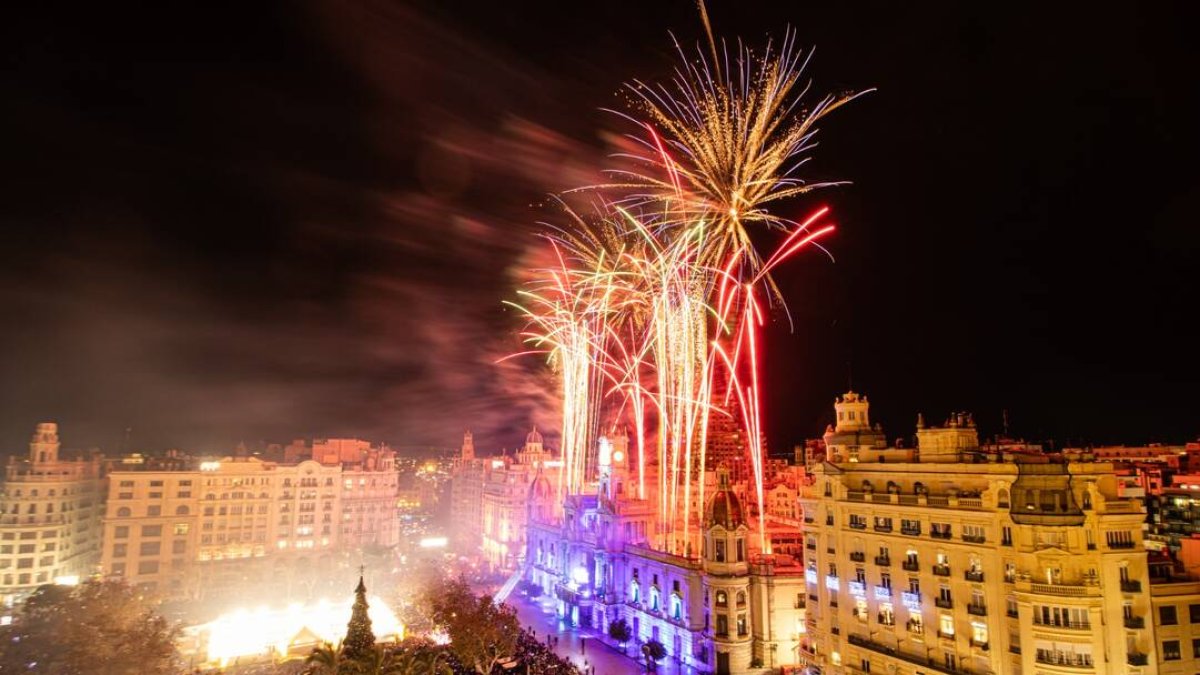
{"points": [[482, 634], [99, 627]]}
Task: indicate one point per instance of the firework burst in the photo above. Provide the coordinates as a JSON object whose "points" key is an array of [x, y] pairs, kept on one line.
{"points": [[663, 289]]}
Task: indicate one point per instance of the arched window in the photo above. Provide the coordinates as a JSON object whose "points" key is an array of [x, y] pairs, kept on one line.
{"points": [[676, 607], [123, 512], [722, 599], [919, 488], [1002, 499], [634, 591], [653, 598], [866, 486], [741, 599], [892, 488], [181, 510]]}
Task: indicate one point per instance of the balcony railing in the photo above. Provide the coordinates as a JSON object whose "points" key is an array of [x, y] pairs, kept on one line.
{"points": [[1065, 590], [1069, 659], [911, 531], [1135, 622], [1120, 544], [938, 534], [911, 565], [974, 538], [883, 561], [1016, 649], [883, 528], [944, 603], [979, 644], [858, 556], [857, 525], [1137, 659], [1071, 625], [1131, 586], [925, 662], [941, 570], [977, 610], [945, 636], [811, 545], [973, 575]]}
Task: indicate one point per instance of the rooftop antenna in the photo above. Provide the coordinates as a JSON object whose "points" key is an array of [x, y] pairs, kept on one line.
{"points": [[1004, 414], [849, 376]]}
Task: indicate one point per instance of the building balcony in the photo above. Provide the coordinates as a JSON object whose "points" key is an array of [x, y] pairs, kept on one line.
{"points": [[1135, 622], [883, 528], [1065, 659], [924, 662], [811, 545], [1120, 544], [977, 610], [936, 534], [911, 565], [974, 538], [944, 603], [1067, 625], [973, 575], [979, 644], [944, 635], [858, 556], [1011, 613], [1137, 659], [941, 570], [883, 561], [1131, 586], [1016, 649], [911, 531], [858, 526]]}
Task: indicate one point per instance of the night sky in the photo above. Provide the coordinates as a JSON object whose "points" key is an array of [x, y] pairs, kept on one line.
{"points": [[277, 221]]}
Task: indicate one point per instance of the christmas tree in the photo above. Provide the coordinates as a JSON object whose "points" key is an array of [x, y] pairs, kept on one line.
{"points": [[360, 641]]}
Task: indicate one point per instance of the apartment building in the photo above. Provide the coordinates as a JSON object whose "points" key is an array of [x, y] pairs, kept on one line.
{"points": [[241, 527], [945, 558], [49, 517]]}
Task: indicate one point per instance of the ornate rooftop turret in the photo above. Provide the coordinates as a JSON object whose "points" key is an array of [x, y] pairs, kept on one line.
{"points": [[724, 509]]}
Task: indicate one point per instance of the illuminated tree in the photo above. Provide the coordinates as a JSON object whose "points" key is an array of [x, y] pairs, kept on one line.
{"points": [[619, 631], [482, 633], [653, 651], [360, 641], [97, 627]]}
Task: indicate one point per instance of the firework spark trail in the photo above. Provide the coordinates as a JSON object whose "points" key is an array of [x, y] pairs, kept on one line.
{"points": [[666, 286]]}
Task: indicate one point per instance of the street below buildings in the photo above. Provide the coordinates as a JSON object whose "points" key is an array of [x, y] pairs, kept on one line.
{"points": [[538, 615]]}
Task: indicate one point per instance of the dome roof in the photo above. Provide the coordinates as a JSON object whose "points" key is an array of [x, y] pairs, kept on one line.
{"points": [[533, 437], [725, 509]]}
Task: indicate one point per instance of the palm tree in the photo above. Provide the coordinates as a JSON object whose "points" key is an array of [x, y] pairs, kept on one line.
{"points": [[418, 660], [411, 660], [327, 660]]}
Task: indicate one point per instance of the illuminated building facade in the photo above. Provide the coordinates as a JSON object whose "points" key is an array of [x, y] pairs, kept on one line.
{"points": [[466, 498], [220, 527], [49, 517], [947, 558], [727, 609], [504, 509]]}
